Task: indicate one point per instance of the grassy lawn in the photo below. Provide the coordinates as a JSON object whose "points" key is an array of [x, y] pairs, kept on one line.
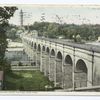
{"points": [[26, 80]]}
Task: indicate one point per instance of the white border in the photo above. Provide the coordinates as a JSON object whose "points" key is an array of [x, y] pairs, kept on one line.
{"points": [[11, 95]]}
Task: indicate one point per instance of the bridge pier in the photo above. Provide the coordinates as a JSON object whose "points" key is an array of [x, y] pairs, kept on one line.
{"points": [[81, 74], [59, 73], [38, 64], [31, 53], [52, 68], [34, 57], [68, 82], [47, 64], [90, 76], [41, 62], [44, 66]]}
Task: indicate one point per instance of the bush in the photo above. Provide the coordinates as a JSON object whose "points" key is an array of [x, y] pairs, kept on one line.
{"points": [[20, 64]]}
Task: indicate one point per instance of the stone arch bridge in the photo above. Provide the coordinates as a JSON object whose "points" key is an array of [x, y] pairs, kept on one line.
{"points": [[68, 65]]}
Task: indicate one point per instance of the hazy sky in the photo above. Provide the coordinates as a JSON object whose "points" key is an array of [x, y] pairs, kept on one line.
{"points": [[61, 14], [49, 1]]}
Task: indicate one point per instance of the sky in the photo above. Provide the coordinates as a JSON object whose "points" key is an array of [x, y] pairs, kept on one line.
{"points": [[48, 1], [70, 14]]}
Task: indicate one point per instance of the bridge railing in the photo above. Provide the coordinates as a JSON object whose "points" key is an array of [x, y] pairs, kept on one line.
{"points": [[89, 47]]}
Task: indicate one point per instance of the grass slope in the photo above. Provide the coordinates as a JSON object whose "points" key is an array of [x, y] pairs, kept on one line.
{"points": [[26, 81]]}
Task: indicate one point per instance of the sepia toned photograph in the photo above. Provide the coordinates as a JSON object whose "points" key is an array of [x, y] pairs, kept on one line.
{"points": [[50, 48]]}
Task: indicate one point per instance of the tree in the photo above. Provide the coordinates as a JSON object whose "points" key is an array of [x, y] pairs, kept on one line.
{"points": [[78, 38], [54, 30], [20, 64], [5, 14], [13, 33]]}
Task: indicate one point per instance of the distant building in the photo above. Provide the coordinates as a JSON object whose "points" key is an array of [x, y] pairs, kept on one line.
{"points": [[98, 39], [33, 34], [14, 51]]}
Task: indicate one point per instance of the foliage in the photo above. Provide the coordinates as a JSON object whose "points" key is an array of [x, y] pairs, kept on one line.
{"points": [[78, 38], [5, 14], [53, 30], [13, 32], [20, 64], [26, 81]]}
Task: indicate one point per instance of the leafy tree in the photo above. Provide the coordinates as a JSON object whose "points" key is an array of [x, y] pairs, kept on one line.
{"points": [[78, 38], [5, 14], [54, 30], [11, 33], [20, 64]]}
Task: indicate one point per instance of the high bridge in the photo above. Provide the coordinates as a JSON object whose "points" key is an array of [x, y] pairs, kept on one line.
{"points": [[67, 64]]}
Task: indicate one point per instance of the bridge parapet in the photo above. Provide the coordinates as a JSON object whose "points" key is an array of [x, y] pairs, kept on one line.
{"points": [[64, 42], [89, 47]]}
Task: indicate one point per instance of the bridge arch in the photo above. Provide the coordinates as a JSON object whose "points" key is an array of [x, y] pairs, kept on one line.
{"points": [[43, 48], [68, 71], [47, 50], [81, 73], [32, 44], [35, 46], [52, 52], [39, 48], [68, 60], [59, 55]]}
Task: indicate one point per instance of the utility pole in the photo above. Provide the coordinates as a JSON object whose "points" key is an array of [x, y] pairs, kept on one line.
{"points": [[21, 18], [24, 16], [42, 17]]}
